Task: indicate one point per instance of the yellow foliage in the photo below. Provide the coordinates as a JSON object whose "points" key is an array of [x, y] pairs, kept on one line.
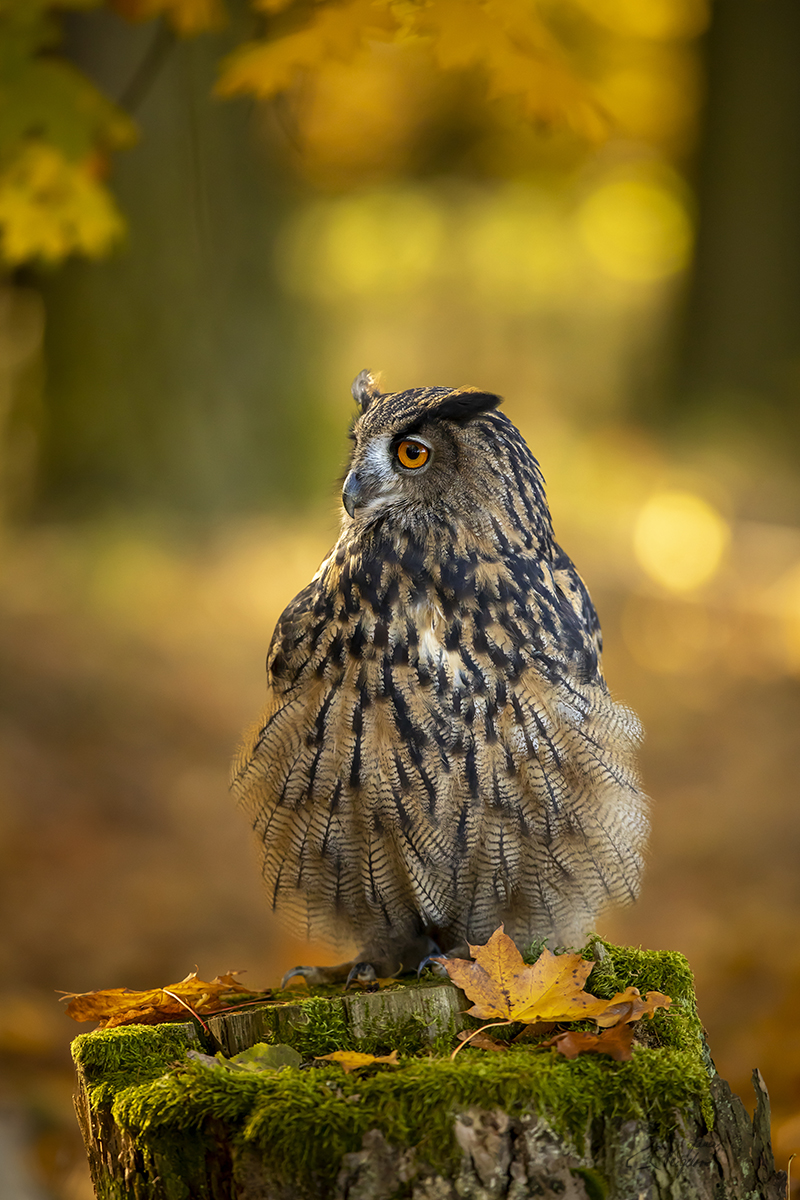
{"points": [[186, 16], [520, 56], [336, 31], [51, 207], [507, 39], [364, 119]]}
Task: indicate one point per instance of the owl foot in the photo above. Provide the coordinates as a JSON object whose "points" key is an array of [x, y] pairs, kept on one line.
{"points": [[349, 973], [370, 966], [432, 963], [363, 973], [319, 976]]}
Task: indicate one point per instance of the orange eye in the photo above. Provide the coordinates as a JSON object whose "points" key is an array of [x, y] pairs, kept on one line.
{"points": [[411, 454]]}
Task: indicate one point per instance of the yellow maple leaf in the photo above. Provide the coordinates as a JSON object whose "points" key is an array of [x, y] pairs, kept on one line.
{"points": [[336, 31], [51, 207], [503, 986], [520, 56], [508, 39]]}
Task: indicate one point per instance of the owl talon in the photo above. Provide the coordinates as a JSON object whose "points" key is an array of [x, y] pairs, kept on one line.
{"points": [[314, 976], [363, 973], [431, 962]]}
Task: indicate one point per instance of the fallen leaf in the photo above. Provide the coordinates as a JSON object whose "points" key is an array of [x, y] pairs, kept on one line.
{"points": [[123, 1006], [482, 1041], [617, 1042], [262, 1057], [502, 985], [353, 1060], [535, 1030], [630, 1005]]}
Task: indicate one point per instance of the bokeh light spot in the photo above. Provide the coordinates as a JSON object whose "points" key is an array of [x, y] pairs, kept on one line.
{"points": [[379, 242], [679, 540], [636, 230]]}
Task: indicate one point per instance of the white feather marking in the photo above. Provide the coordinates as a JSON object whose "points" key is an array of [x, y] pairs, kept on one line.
{"points": [[429, 620]]}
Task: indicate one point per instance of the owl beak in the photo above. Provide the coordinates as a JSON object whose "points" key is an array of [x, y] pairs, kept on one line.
{"points": [[352, 493]]}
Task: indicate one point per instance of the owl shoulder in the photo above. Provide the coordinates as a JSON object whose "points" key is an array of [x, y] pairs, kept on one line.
{"points": [[298, 632]]}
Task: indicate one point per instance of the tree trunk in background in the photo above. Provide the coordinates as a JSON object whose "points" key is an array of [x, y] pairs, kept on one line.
{"points": [[177, 369], [740, 356]]}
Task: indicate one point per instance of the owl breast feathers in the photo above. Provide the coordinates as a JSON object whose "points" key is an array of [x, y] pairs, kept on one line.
{"points": [[440, 753]]}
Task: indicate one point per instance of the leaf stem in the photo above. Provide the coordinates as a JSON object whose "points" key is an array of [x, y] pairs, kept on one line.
{"points": [[480, 1029]]}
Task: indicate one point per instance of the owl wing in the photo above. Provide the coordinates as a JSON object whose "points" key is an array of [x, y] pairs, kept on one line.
{"points": [[334, 778], [571, 586]]}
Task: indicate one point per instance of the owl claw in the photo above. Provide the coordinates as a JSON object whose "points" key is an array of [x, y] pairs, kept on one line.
{"points": [[431, 961], [363, 973], [314, 976]]}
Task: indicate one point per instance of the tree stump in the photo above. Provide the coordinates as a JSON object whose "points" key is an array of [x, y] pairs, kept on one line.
{"points": [[168, 1113]]}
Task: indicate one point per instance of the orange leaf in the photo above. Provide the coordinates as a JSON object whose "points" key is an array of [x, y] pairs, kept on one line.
{"points": [[352, 1060], [616, 1042], [122, 1006], [630, 1006]]}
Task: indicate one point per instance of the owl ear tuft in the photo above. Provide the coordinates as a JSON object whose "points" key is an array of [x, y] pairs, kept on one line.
{"points": [[464, 404], [365, 389]]}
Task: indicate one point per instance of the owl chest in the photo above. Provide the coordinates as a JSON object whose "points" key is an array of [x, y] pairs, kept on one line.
{"points": [[461, 629]]}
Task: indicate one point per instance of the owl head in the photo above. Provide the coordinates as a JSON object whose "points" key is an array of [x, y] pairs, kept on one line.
{"points": [[421, 450]]}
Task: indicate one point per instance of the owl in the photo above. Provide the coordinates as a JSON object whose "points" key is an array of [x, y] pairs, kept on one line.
{"points": [[440, 753]]}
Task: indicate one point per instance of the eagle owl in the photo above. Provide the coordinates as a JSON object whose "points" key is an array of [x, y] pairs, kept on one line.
{"points": [[440, 752]]}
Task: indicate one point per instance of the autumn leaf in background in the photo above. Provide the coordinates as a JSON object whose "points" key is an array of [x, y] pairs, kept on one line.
{"points": [[51, 207], [503, 986], [121, 1006]]}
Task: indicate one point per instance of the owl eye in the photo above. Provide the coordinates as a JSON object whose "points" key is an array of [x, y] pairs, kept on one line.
{"points": [[411, 454]]}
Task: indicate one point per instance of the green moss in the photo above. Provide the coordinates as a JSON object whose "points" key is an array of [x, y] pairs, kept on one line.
{"points": [[665, 971], [113, 1059], [676, 1028], [321, 1029], [413, 1105]]}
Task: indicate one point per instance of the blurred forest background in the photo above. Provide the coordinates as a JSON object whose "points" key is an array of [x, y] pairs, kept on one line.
{"points": [[211, 218]]}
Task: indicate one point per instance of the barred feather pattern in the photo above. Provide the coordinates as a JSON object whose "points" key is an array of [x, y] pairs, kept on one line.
{"points": [[440, 752]]}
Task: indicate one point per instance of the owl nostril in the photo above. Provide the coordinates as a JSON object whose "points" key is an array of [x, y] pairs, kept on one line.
{"points": [[351, 493]]}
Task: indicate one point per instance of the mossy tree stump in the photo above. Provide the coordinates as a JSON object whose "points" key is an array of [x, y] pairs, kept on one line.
{"points": [[163, 1120]]}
